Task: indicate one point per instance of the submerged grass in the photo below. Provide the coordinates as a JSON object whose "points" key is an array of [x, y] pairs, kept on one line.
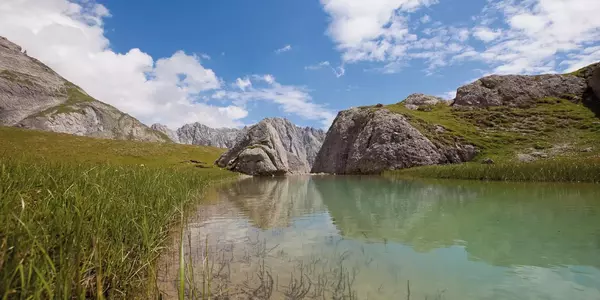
{"points": [[87, 218]]}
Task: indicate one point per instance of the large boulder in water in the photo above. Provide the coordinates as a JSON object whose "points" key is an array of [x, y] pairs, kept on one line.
{"points": [[368, 140], [274, 146], [518, 90]]}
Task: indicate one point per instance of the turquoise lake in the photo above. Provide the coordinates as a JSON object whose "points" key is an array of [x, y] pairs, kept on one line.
{"points": [[347, 237]]}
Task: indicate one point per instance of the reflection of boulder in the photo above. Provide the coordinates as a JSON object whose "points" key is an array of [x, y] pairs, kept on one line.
{"points": [[502, 224], [273, 202]]}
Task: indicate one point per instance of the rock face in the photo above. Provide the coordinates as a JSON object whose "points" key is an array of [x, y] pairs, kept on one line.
{"points": [[518, 90], [167, 131], [367, 141], [199, 134], [35, 97], [594, 82], [415, 101], [274, 146]]}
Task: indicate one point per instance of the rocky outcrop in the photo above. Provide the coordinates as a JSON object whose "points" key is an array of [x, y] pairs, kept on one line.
{"points": [[367, 141], [199, 134], [274, 146], [415, 101], [518, 90], [594, 82], [35, 97], [172, 135]]}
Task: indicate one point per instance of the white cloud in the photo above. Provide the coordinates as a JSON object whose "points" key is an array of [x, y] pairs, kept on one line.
{"points": [[318, 66], [576, 61], [285, 48], [242, 84], [520, 36], [268, 78], [371, 30], [69, 37], [540, 33], [485, 34], [292, 99], [449, 95], [337, 71]]}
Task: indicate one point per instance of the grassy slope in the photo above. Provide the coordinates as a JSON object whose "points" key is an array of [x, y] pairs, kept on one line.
{"points": [[569, 133], [82, 216]]}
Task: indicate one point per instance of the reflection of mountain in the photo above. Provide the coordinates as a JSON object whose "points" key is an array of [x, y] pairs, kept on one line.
{"points": [[502, 224], [273, 202]]}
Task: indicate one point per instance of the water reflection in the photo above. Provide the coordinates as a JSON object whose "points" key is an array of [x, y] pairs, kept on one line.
{"points": [[441, 240], [500, 223]]}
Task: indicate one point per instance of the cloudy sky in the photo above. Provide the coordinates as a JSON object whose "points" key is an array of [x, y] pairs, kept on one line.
{"points": [[228, 63]]}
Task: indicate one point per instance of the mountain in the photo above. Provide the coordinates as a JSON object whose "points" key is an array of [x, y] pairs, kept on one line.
{"points": [[172, 135], [513, 118], [33, 96], [199, 134], [274, 146]]}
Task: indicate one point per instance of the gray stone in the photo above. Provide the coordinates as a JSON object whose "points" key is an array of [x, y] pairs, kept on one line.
{"points": [[415, 101], [33, 96], [487, 161], [521, 157], [518, 90], [274, 146], [366, 141], [539, 154]]}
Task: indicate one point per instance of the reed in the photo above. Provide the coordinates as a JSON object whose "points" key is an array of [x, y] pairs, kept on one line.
{"points": [[90, 226]]}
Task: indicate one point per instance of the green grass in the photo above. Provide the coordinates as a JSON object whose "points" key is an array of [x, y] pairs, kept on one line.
{"points": [[552, 170], [500, 133], [87, 218], [75, 96], [16, 77]]}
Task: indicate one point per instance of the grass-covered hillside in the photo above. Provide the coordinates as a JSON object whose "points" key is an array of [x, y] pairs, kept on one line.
{"points": [[553, 126], [553, 139], [86, 218]]}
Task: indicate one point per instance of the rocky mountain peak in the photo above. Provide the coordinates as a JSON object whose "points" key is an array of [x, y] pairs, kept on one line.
{"points": [[165, 130], [34, 96]]}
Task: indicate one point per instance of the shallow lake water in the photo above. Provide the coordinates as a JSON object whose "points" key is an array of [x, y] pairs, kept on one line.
{"points": [[346, 237]]}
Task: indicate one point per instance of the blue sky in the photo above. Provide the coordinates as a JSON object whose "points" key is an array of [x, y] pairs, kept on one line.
{"points": [[234, 62]]}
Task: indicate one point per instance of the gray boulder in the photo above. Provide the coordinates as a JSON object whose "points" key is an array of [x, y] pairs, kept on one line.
{"points": [[415, 101], [367, 141], [33, 96], [274, 146], [518, 90]]}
